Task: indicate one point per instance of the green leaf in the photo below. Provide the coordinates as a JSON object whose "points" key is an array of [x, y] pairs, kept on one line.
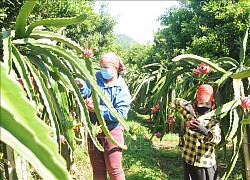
{"points": [[66, 76], [237, 86], [62, 96], [160, 83], [47, 97], [152, 65], [241, 74], [22, 18], [245, 121], [164, 88], [237, 142], [55, 22], [56, 37], [229, 60], [233, 126], [26, 133], [7, 49], [191, 57], [247, 63], [223, 79], [243, 47], [189, 92], [22, 70], [139, 87]]}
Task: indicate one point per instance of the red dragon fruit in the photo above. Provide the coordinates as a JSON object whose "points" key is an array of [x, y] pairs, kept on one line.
{"points": [[245, 102], [87, 53]]}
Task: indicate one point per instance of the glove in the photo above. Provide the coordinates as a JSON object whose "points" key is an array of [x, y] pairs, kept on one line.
{"points": [[197, 127]]}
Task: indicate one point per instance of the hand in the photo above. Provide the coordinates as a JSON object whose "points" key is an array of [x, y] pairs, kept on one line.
{"points": [[91, 108], [197, 127], [89, 103], [79, 82], [189, 123]]}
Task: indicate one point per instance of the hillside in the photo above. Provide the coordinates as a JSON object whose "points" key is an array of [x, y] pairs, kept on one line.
{"points": [[125, 41]]}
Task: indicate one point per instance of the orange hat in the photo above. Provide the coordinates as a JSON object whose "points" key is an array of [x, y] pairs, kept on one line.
{"points": [[205, 93]]}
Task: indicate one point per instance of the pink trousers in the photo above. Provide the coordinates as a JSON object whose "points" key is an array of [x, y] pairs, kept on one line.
{"points": [[109, 160]]}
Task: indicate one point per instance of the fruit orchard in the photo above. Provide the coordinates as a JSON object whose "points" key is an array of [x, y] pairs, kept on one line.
{"points": [[46, 45]]}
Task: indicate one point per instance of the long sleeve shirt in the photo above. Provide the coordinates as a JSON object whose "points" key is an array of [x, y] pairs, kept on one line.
{"points": [[117, 93], [199, 151]]}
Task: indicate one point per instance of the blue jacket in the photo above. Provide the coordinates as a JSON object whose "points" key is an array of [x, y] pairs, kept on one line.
{"points": [[118, 94]]}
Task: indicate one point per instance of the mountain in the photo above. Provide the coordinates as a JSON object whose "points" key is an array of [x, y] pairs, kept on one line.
{"points": [[125, 41]]}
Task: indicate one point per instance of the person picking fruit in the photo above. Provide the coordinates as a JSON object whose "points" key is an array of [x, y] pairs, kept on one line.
{"points": [[201, 138], [112, 84]]}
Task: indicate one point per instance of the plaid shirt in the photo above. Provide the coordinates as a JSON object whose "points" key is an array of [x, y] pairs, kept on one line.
{"points": [[199, 151]]}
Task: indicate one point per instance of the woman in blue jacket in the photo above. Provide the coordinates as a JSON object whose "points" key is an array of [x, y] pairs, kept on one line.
{"points": [[114, 87]]}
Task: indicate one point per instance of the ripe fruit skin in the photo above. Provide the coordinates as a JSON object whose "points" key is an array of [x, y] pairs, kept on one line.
{"points": [[62, 139], [196, 72], [87, 53], [158, 135], [204, 68], [88, 101], [171, 120], [245, 102], [190, 122], [155, 108], [73, 113]]}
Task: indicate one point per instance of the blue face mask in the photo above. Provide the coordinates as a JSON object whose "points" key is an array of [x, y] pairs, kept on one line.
{"points": [[106, 73]]}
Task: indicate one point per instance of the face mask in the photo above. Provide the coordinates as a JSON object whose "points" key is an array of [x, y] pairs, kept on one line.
{"points": [[203, 110], [106, 73]]}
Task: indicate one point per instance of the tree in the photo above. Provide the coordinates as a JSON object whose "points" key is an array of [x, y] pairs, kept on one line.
{"points": [[207, 28], [9, 11], [95, 33]]}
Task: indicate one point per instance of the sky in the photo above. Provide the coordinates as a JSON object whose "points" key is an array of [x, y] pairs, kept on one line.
{"points": [[137, 19]]}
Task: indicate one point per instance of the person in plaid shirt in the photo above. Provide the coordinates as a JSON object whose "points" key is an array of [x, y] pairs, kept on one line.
{"points": [[201, 137]]}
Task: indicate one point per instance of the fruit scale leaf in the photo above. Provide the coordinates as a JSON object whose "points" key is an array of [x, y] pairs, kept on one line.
{"points": [[187, 108]]}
